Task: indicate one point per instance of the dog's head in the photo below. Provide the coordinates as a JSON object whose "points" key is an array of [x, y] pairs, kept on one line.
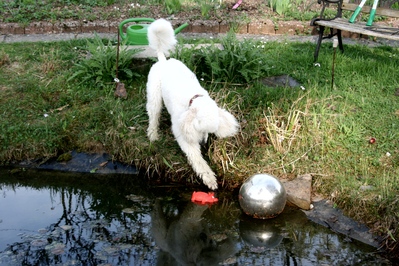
{"points": [[200, 119], [203, 117], [205, 114]]}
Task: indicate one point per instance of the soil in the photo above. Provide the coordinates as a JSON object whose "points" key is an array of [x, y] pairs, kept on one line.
{"points": [[252, 17], [252, 9]]}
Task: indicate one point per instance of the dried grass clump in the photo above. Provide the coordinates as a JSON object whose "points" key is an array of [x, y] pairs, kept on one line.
{"points": [[4, 59], [282, 130]]}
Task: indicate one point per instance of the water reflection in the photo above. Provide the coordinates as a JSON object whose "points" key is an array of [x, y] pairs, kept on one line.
{"points": [[185, 238], [63, 219]]}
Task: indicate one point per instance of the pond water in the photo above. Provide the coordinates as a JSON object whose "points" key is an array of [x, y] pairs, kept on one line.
{"points": [[53, 218]]}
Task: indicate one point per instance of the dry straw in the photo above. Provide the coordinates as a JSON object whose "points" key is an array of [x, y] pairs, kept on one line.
{"points": [[282, 130]]}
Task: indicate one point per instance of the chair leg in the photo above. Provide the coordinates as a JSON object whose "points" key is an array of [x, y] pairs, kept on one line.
{"points": [[321, 34], [339, 35]]}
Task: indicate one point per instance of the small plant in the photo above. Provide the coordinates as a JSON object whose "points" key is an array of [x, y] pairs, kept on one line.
{"points": [[238, 61], [206, 6], [172, 6], [99, 65], [137, 10], [395, 6], [280, 6]]}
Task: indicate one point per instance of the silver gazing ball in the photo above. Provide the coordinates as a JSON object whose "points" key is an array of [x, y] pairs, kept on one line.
{"points": [[262, 196]]}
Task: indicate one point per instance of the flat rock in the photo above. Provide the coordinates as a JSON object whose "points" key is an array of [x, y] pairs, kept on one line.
{"points": [[78, 162], [147, 52], [323, 213], [333, 218], [299, 191], [281, 81]]}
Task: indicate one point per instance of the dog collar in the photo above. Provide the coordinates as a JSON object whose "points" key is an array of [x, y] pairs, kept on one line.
{"points": [[192, 99]]}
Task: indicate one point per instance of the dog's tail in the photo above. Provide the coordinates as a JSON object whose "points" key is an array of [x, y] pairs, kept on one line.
{"points": [[161, 37]]}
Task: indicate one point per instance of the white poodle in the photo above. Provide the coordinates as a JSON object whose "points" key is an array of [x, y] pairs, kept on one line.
{"points": [[193, 113]]}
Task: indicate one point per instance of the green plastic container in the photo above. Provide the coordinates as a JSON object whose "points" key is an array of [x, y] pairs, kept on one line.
{"points": [[136, 34]]}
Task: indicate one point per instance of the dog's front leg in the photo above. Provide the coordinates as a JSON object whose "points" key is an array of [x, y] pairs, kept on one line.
{"points": [[200, 166], [159, 227]]}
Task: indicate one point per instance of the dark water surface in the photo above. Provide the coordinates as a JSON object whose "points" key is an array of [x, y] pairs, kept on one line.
{"points": [[53, 218]]}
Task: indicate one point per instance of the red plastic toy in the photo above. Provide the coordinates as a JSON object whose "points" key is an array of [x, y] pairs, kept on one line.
{"points": [[204, 198]]}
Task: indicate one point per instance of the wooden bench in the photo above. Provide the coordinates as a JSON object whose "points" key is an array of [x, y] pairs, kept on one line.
{"points": [[338, 23]]}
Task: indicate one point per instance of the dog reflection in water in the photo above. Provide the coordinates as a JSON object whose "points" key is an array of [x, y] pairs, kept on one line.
{"points": [[185, 239]]}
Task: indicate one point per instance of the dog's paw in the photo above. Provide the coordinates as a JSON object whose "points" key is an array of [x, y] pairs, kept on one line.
{"points": [[153, 135], [210, 181]]}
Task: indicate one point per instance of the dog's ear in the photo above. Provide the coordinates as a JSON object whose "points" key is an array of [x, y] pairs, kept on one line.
{"points": [[188, 122], [228, 125]]}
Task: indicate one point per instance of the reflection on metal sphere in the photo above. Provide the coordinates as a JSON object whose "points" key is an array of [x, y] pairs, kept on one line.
{"points": [[262, 196], [260, 233]]}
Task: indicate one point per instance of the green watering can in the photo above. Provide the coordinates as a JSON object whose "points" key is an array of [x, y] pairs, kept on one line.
{"points": [[136, 34]]}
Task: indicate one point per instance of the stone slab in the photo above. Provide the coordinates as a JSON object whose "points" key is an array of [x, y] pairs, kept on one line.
{"points": [[299, 191], [147, 52], [325, 214]]}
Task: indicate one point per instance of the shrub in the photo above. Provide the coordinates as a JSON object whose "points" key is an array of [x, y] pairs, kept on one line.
{"points": [[236, 62], [98, 67], [280, 6]]}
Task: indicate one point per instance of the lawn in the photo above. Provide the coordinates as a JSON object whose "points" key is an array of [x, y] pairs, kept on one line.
{"points": [[56, 97]]}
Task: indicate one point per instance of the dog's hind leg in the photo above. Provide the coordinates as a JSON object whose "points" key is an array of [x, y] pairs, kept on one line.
{"points": [[195, 159], [154, 104]]}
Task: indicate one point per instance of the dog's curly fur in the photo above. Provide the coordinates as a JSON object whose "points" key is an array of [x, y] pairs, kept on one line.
{"points": [[193, 113]]}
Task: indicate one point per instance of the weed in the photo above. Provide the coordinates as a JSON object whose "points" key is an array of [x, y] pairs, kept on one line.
{"points": [[280, 6], [172, 6], [236, 62], [137, 10], [206, 6], [99, 65]]}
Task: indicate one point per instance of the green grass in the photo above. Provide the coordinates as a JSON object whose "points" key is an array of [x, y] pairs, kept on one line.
{"points": [[321, 130]]}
